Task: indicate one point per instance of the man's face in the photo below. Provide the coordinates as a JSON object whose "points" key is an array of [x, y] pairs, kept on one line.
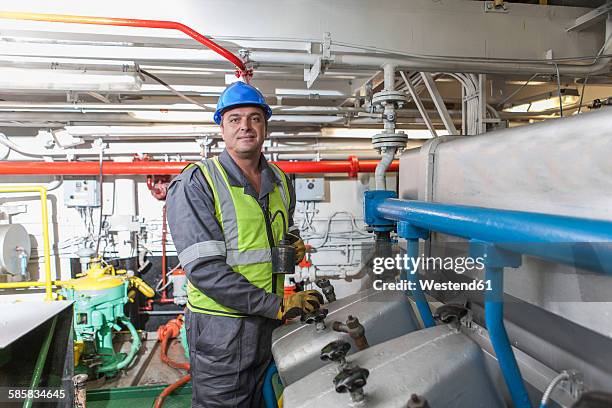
{"points": [[244, 130]]}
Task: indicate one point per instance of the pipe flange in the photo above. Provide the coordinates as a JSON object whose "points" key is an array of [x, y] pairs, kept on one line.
{"points": [[385, 140], [383, 98]]}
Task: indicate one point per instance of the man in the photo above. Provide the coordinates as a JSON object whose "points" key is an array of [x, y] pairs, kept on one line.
{"points": [[225, 214]]}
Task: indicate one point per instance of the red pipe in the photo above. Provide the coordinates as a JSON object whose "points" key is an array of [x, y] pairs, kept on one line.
{"points": [[130, 22], [149, 303], [65, 168]]}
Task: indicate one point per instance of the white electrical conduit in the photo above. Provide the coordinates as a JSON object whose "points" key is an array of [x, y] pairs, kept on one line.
{"points": [[563, 376]]}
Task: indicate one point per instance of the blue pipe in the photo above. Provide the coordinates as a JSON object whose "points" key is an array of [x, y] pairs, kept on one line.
{"points": [[268, 389], [494, 318], [419, 298], [583, 243], [580, 242]]}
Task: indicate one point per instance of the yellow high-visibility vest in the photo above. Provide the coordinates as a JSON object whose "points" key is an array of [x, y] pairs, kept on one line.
{"points": [[249, 232]]}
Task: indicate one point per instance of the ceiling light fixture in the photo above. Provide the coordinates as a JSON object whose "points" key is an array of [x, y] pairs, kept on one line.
{"points": [[545, 101], [172, 116], [61, 74]]}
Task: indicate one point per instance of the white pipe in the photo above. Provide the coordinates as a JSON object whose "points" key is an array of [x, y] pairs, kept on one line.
{"points": [[444, 65], [435, 65], [389, 126], [414, 63], [389, 77]]}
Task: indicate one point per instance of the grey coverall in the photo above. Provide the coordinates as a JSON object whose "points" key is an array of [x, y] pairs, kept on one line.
{"points": [[228, 355]]}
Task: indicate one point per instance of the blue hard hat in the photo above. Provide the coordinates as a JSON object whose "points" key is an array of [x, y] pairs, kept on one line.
{"points": [[240, 94]]}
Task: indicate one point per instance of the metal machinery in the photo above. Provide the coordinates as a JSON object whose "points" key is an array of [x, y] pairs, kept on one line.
{"points": [[546, 251], [100, 295], [400, 368], [296, 346]]}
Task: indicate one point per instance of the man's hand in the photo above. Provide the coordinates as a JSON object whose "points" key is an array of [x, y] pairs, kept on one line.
{"points": [[299, 303], [300, 250]]}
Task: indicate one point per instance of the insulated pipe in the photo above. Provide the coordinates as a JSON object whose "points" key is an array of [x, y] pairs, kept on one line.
{"points": [[389, 77], [39, 168], [422, 64], [432, 65], [580, 242], [128, 22], [383, 166], [42, 191], [389, 124]]}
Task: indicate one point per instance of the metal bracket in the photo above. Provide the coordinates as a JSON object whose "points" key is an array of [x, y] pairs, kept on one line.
{"points": [[590, 18], [494, 256], [408, 231], [311, 75], [327, 46], [204, 144], [439, 102], [419, 104], [574, 386], [495, 7]]}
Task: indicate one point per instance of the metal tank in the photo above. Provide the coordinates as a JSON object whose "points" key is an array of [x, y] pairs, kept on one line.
{"points": [[384, 315], [14, 250], [561, 167], [438, 364]]}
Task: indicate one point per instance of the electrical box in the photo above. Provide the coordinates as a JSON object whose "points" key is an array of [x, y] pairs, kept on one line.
{"points": [[81, 193], [310, 189]]}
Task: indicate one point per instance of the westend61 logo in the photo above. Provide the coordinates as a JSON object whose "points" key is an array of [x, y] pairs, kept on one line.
{"points": [[404, 262]]}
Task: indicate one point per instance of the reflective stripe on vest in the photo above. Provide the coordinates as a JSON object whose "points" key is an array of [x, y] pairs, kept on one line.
{"points": [[246, 247]]}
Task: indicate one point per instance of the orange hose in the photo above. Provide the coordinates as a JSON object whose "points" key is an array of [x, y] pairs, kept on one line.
{"points": [[159, 401], [164, 357], [165, 333]]}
